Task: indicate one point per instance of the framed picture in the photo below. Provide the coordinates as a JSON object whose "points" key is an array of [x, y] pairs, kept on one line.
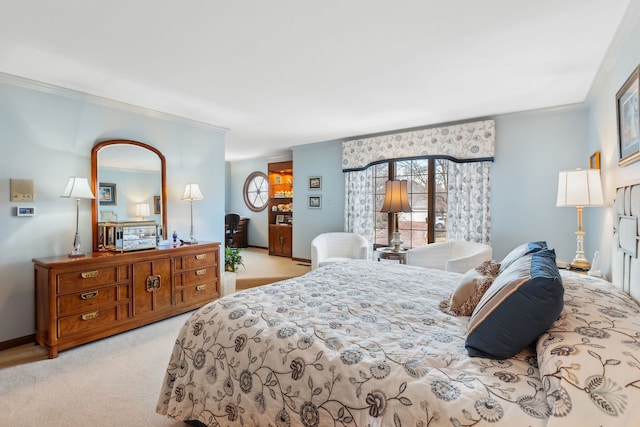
{"points": [[594, 160], [156, 205], [107, 194], [315, 183], [315, 202], [280, 219], [628, 114]]}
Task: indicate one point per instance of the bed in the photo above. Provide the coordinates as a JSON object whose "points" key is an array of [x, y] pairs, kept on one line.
{"points": [[366, 343]]}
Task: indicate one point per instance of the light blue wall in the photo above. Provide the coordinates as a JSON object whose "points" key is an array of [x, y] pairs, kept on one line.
{"points": [[531, 148], [622, 58], [46, 134], [324, 160]]}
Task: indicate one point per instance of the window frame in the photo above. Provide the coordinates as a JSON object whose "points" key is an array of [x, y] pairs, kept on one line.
{"points": [[431, 198]]}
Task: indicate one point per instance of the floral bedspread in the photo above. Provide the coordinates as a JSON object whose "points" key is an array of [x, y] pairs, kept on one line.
{"points": [[364, 344]]}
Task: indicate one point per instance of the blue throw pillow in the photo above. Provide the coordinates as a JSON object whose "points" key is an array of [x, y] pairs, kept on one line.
{"points": [[520, 251], [521, 303]]}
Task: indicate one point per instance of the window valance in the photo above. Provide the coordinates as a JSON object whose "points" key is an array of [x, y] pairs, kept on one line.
{"points": [[466, 142]]}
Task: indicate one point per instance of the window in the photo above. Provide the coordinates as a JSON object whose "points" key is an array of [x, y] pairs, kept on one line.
{"points": [[256, 191], [427, 187]]}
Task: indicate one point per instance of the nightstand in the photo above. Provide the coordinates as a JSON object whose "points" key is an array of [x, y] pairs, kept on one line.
{"points": [[389, 254]]}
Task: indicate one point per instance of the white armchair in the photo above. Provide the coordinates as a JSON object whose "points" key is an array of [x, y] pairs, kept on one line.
{"points": [[457, 256], [328, 248]]}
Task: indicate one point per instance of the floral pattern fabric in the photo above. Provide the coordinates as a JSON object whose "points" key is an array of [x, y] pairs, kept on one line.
{"points": [[590, 357], [467, 141], [363, 343], [469, 202]]}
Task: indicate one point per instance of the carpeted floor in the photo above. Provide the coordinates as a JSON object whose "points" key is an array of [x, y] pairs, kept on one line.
{"points": [[260, 268], [114, 381]]}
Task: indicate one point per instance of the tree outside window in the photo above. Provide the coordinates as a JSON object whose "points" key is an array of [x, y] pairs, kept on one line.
{"points": [[427, 188]]}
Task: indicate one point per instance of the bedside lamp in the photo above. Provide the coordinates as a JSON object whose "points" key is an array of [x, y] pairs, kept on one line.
{"points": [[143, 210], [77, 188], [191, 193], [580, 188], [396, 200]]}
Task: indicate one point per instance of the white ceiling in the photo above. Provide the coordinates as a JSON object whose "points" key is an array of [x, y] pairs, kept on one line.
{"points": [[279, 73]]}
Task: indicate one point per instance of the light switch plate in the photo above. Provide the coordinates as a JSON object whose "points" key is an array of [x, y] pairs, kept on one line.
{"points": [[21, 190]]}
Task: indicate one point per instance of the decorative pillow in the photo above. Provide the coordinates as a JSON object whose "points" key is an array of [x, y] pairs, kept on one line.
{"points": [[470, 289], [523, 301], [520, 251]]}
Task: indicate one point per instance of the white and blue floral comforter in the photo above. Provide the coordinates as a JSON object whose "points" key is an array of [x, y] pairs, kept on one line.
{"points": [[363, 344]]}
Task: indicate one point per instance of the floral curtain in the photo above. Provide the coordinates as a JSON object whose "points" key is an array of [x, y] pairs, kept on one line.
{"points": [[469, 146], [464, 142], [469, 191], [359, 203]]}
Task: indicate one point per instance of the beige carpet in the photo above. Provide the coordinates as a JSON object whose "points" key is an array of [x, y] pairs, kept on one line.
{"points": [[111, 382], [114, 381], [260, 268]]}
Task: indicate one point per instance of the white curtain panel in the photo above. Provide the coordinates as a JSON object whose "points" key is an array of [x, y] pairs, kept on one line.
{"points": [[469, 197]]}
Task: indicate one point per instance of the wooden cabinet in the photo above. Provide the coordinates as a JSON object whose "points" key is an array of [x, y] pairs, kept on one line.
{"points": [[280, 240], [79, 300], [280, 208]]}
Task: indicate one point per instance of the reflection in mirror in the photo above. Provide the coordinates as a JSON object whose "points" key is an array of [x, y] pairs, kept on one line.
{"points": [[126, 176]]}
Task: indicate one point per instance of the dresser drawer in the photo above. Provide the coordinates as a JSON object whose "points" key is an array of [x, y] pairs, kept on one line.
{"points": [[91, 319], [91, 299], [197, 260], [194, 277], [200, 292], [91, 277]]}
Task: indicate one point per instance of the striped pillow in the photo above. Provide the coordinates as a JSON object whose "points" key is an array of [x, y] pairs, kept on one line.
{"points": [[521, 303], [520, 251]]}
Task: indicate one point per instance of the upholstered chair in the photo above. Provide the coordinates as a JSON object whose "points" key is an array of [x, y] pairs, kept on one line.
{"points": [[454, 255], [328, 248]]}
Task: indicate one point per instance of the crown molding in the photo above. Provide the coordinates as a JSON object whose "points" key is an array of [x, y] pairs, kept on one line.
{"points": [[26, 83]]}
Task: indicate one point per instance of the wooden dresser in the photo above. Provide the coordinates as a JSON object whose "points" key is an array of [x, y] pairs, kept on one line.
{"points": [[79, 300]]}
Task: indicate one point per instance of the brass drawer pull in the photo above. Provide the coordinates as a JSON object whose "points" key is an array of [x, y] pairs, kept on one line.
{"points": [[153, 283], [201, 256], [89, 295], [201, 287], [89, 274], [90, 316], [201, 272]]}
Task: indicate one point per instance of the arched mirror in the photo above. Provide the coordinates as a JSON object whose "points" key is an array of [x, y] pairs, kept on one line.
{"points": [[125, 176]]}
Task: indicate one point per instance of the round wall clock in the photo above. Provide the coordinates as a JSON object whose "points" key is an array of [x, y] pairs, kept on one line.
{"points": [[256, 191]]}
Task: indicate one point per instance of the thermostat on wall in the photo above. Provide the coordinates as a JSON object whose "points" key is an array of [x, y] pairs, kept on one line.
{"points": [[23, 211]]}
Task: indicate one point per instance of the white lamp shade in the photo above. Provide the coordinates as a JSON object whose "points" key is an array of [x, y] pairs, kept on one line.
{"points": [[396, 198], [192, 192], [580, 187], [78, 188], [142, 209]]}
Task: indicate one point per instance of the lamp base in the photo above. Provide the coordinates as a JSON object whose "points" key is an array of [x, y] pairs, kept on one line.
{"points": [[396, 242], [75, 253], [579, 264]]}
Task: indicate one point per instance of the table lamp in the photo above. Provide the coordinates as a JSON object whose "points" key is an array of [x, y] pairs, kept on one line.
{"points": [[396, 200], [191, 193], [580, 188], [77, 188]]}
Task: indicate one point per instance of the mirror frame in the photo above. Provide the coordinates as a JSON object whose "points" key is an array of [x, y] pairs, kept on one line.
{"points": [[94, 183]]}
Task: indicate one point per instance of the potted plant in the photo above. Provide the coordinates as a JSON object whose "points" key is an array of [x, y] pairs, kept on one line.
{"points": [[232, 259]]}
